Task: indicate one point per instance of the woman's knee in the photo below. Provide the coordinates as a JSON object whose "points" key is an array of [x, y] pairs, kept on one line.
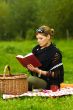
{"points": [[37, 82]]}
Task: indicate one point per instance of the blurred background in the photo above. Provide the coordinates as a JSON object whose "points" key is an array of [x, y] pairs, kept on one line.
{"points": [[20, 18]]}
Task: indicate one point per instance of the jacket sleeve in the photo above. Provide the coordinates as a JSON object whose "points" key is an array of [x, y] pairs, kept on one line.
{"points": [[56, 65]]}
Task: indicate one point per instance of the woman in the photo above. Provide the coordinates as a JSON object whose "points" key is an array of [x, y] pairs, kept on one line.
{"points": [[51, 72]]}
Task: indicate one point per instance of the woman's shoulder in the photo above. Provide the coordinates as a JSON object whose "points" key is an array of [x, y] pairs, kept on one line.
{"points": [[56, 49], [35, 48]]}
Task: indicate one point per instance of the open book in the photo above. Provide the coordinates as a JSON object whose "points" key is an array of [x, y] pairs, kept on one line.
{"points": [[28, 59]]}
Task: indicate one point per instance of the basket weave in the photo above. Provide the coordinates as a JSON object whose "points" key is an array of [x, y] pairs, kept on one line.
{"points": [[13, 84]]}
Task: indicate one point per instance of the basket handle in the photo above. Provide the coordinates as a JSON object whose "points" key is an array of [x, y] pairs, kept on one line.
{"points": [[6, 70]]}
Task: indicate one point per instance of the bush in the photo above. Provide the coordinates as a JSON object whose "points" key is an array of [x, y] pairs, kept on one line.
{"points": [[30, 34]]}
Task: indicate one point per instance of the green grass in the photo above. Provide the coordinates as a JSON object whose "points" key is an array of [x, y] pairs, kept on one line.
{"points": [[8, 51]]}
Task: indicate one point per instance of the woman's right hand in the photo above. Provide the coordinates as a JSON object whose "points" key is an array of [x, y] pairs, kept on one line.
{"points": [[32, 68]]}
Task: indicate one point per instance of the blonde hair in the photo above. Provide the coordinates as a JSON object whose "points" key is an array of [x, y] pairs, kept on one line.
{"points": [[45, 30]]}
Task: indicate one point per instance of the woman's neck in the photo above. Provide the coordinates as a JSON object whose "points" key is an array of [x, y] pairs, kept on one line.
{"points": [[48, 44]]}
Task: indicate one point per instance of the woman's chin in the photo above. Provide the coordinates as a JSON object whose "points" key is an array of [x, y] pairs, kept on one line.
{"points": [[41, 45]]}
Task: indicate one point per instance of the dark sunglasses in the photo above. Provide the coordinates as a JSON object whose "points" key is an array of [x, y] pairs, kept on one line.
{"points": [[39, 30]]}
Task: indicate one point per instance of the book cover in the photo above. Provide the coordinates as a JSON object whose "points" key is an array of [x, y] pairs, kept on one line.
{"points": [[28, 59]]}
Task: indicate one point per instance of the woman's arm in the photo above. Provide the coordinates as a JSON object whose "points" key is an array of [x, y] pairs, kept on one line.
{"points": [[39, 71], [36, 70], [56, 59]]}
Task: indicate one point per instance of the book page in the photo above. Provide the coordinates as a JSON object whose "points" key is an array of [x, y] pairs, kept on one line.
{"points": [[20, 56], [28, 55]]}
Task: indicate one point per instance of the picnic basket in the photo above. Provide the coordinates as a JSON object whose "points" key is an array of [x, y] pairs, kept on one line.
{"points": [[13, 84]]}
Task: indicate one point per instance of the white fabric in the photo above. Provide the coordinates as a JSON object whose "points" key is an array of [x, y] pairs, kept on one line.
{"points": [[44, 93], [56, 66]]}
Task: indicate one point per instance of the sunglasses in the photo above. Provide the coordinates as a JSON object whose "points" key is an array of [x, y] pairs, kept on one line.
{"points": [[40, 30]]}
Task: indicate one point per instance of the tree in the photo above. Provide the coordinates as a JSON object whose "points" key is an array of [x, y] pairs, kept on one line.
{"points": [[6, 22], [64, 17], [24, 15]]}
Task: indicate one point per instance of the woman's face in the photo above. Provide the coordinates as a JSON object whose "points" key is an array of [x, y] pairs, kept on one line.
{"points": [[43, 40]]}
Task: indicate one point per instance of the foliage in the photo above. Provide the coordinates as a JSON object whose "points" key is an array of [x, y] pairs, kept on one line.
{"points": [[18, 17]]}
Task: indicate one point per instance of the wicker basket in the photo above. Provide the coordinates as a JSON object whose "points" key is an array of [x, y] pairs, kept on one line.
{"points": [[13, 84]]}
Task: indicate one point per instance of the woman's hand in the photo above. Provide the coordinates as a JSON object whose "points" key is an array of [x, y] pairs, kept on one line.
{"points": [[36, 70], [32, 68]]}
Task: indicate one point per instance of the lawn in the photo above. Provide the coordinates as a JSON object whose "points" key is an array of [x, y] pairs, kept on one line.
{"points": [[8, 51]]}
